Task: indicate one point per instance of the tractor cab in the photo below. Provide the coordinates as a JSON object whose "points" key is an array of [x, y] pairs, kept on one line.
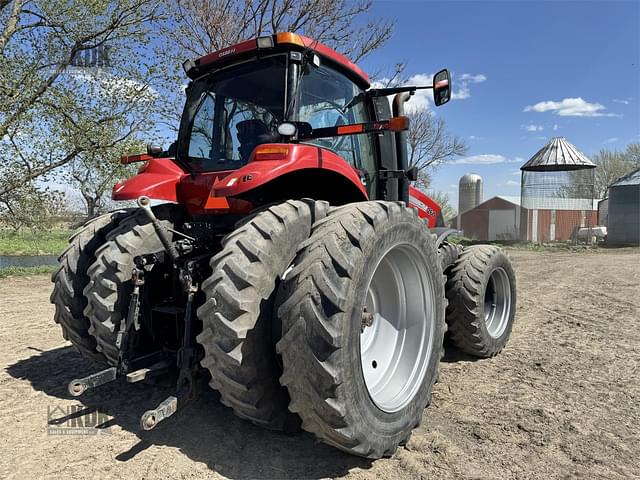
{"points": [[284, 114]]}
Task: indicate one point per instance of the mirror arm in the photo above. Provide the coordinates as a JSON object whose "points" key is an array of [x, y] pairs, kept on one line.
{"points": [[383, 92]]}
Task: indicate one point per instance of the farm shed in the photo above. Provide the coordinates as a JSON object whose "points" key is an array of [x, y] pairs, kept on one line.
{"points": [[623, 226], [495, 219]]}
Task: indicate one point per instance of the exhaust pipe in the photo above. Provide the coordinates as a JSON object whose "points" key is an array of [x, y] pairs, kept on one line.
{"points": [[401, 146]]}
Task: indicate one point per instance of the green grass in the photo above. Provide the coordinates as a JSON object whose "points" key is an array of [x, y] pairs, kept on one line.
{"points": [[46, 242], [27, 271]]}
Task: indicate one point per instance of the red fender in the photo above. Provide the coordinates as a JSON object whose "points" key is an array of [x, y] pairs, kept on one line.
{"points": [[293, 157], [163, 179], [426, 207], [158, 178]]}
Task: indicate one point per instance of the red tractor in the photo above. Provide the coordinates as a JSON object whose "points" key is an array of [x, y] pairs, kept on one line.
{"points": [[291, 264]]}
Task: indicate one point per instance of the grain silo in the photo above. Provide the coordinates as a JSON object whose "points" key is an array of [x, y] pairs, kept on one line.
{"points": [[470, 192], [557, 193]]}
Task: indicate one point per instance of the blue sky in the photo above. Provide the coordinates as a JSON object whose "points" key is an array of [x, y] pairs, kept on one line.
{"points": [[528, 71]]}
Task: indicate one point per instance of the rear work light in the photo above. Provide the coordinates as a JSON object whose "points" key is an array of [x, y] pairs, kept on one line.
{"points": [[265, 42], [271, 153]]}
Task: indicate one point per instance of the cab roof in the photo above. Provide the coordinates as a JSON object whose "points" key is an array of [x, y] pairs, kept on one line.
{"points": [[280, 41]]}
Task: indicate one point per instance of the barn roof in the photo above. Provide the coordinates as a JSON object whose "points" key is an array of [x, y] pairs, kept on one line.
{"points": [[632, 178], [558, 155]]}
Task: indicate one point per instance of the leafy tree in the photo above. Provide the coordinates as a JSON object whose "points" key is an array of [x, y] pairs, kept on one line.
{"points": [[93, 174], [613, 165], [442, 199], [31, 207], [51, 111]]}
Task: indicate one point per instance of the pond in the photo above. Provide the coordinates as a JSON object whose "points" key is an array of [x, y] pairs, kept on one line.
{"points": [[27, 260]]}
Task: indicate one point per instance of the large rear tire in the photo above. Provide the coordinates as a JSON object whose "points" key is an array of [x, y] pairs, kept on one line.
{"points": [[71, 278], [109, 289], [237, 313], [481, 290], [362, 315]]}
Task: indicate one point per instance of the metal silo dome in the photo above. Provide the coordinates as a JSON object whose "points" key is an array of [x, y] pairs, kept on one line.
{"points": [[470, 192]]}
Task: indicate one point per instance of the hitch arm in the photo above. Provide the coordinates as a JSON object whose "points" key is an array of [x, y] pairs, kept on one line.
{"points": [[145, 204]]}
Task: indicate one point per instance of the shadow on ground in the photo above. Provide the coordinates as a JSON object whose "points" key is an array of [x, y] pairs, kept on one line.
{"points": [[206, 431]]}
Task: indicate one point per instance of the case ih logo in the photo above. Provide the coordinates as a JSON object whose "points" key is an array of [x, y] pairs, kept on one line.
{"points": [[92, 57], [76, 420], [224, 53]]}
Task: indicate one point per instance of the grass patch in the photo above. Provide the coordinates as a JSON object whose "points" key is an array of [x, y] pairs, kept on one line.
{"points": [[27, 271], [49, 242]]}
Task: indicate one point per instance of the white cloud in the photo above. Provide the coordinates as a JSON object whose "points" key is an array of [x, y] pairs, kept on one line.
{"points": [[463, 91], [532, 128], [487, 159], [512, 183], [570, 107], [555, 127], [461, 94], [467, 77], [421, 99], [626, 101], [611, 140], [515, 172]]}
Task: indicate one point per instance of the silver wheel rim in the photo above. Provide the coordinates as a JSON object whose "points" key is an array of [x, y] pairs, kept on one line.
{"points": [[497, 302], [396, 347]]}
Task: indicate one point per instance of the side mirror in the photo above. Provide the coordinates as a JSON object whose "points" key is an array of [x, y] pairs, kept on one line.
{"points": [[441, 87], [412, 174]]}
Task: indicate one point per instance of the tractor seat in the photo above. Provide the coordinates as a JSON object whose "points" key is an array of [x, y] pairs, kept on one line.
{"points": [[252, 133]]}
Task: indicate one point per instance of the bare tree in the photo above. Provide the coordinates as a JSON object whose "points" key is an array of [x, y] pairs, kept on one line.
{"points": [[429, 143], [203, 27]]}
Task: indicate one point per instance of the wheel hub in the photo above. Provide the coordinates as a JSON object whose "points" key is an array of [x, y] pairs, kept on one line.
{"points": [[397, 329], [497, 302]]}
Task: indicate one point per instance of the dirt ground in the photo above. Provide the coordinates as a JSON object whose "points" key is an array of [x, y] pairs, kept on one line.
{"points": [[561, 401]]}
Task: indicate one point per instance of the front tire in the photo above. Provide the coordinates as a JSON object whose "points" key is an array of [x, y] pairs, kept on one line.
{"points": [[481, 290], [362, 315]]}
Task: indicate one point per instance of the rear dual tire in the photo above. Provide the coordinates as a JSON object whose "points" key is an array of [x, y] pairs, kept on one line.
{"points": [[377, 255], [237, 314], [71, 278], [108, 291]]}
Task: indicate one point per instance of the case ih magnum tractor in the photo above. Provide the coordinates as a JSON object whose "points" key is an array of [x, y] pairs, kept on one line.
{"points": [[291, 263]]}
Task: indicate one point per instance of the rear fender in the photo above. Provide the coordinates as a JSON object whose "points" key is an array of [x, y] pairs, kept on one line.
{"points": [[299, 157], [158, 179]]}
